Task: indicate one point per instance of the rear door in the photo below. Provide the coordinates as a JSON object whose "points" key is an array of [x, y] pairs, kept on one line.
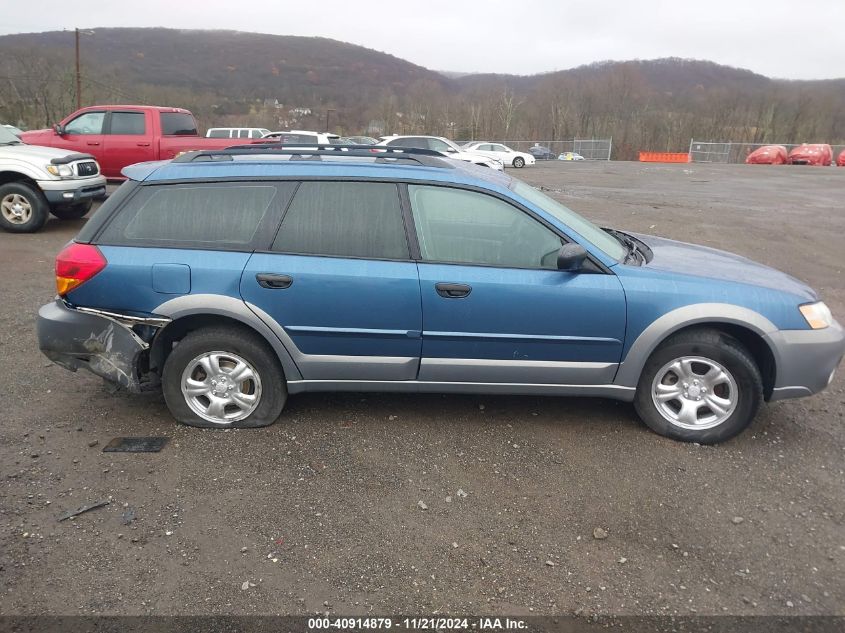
{"points": [[127, 140], [339, 280]]}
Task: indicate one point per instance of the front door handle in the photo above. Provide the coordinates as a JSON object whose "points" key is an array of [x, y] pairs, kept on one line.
{"points": [[452, 291], [142, 144], [273, 281], [93, 143]]}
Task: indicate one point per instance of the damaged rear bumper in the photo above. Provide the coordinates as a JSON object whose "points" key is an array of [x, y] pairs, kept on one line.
{"points": [[106, 344]]}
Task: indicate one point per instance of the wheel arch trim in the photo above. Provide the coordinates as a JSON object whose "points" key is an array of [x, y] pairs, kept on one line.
{"points": [[695, 314], [232, 308]]}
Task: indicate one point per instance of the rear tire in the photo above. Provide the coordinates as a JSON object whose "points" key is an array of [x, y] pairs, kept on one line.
{"points": [[224, 377], [699, 386], [23, 208], [73, 211]]}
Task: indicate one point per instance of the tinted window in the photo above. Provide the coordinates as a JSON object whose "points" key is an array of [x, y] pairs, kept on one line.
{"points": [[218, 133], [195, 214], [460, 226], [178, 124], [409, 141], [88, 123], [127, 123], [347, 219]]}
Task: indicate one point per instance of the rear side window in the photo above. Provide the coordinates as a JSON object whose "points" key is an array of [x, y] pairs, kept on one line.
{"points": [[127, 123], [194, 215], [178, 124], [344, 219]]}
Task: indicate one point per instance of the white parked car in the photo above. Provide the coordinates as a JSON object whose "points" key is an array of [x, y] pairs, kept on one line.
{"points": [[501, 153], [37, 181], [444, 146], [302, 137], [237, 132]]}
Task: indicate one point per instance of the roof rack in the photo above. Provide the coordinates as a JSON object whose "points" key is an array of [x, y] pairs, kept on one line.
{"points": [[312, 151]]}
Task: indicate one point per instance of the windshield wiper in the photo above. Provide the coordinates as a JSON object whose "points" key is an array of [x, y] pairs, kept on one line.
{"points": [[634, 252], [12, 143]]}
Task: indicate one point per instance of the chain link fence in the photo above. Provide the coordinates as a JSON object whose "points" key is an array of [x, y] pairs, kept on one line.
{"points": [[589, 148], [730, 152]]}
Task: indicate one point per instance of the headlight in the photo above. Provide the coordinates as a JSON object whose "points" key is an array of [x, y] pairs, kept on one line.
{"points": [[817, 314], [62, 171]]}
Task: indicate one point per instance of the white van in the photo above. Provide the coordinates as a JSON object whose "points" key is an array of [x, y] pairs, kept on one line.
{"points": [[236, 132]]}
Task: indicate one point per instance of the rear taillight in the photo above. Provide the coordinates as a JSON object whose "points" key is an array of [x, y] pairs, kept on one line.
{"points": [[76, 264]]}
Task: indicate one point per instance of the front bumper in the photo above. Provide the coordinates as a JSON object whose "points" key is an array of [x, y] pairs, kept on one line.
{"points": [[805, 359], [62, 192], [101, 344]]}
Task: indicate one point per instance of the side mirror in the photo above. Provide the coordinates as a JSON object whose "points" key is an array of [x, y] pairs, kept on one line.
{"points": [[452, 150], [571, 257], [59, 129]]}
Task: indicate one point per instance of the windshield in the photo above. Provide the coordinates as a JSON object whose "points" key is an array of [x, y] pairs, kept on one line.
{"points": [[6, 136], [582, 226]]}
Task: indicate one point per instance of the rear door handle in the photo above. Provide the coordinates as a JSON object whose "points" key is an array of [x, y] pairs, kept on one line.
{"points": [[452, 291], [273, 281]]}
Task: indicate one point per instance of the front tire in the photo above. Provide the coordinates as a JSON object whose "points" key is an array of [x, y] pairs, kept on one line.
{"points": [[519, 162], [699, 386], [23, 208], [223, 377], [73, 211]]}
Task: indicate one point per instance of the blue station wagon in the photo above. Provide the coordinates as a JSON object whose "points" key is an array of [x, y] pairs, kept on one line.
{"points": [[231, 279]]}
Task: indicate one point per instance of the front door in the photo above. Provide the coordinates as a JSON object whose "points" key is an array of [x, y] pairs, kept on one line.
{"points": [[84, 133], [340, 282], [495, 307]]}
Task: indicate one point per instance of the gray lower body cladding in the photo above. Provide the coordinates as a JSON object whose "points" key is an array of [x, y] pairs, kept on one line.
{"points": [[74, 339]]}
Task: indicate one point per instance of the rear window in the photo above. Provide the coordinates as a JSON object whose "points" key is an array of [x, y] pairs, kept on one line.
{"points": [[178, 124], [194, 215], [127, 123], [344, 219]]}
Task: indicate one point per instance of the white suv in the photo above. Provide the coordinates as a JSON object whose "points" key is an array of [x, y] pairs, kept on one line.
{"points": [[37, 181], [444, 146]]}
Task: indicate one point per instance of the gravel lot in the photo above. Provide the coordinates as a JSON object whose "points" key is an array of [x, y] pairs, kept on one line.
{"points": [[321, 512]]}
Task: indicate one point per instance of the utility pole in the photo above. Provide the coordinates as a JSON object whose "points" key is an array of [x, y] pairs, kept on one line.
{"points": [[328, 110], [78, 74]]}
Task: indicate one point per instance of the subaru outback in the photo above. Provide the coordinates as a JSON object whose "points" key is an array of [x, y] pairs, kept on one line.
{"points": [[235, 278]]}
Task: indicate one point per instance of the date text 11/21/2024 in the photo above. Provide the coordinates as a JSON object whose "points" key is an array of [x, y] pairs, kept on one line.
{"points": [[418, 623]]}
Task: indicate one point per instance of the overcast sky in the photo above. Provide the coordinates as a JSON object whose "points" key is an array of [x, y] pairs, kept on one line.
{"points": [[779, 38]]}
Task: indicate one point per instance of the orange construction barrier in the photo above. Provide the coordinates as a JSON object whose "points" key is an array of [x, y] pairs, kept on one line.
{"points": [[664, 157]]}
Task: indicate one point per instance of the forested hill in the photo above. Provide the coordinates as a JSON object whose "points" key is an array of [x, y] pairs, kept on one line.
{"points": [[236, 78]]}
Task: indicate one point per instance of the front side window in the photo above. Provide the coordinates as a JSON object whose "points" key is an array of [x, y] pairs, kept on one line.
{"points": [[467, 227], [226, 214], [344, 219], [218, 133], [88, 123], [439, 146], [582, 226], [127, 123]]}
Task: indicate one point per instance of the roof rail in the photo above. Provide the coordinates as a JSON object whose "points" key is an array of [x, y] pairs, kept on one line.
{"points": [[312, 151]]}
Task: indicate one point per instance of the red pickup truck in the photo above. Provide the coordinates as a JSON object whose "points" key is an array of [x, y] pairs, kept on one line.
{"points": [[120, 135]]}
